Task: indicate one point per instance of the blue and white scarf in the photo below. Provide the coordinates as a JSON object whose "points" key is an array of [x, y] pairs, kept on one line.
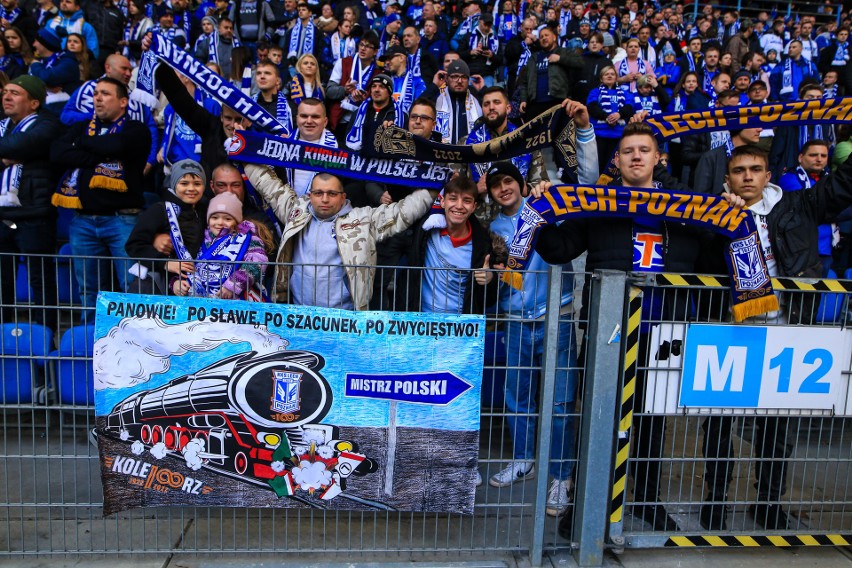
{"points": [[506, 26], [444, 113], [485, 42], [414, 63], [282, 112], [468, 25], [131, 31], [213, 46], [565, 16], [722, 138], [613, 24], [342, 48], [841, 56], [298, 92], [362, 79], [707, 85], [215, 85], [525, 55], [168, 33], [405, 94], [10, 15], [10, 180], [690, 61], [829, 92], [787, 77], [354, 138], [482, 134], [301, 39], [328, 140], [810, 132], [215, 263], [624, 69]]}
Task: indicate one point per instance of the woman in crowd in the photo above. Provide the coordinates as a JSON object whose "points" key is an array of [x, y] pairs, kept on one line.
{"points": [[19, 47], [306, 82], [137, 25], [76, 45], [610, 106], [10, 64]]}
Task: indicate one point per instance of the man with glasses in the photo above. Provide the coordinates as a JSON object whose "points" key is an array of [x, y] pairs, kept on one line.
{"points": [[457, 107], [329, 246], [349, 82], [421, 121]]}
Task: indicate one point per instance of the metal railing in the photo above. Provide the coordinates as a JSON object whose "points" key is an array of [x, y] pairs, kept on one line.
{"points": [[51, 502]]}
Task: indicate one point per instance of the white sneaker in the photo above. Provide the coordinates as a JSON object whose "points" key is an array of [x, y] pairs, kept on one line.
{"points": [[517, 471], [478, 478], [557, 497]]}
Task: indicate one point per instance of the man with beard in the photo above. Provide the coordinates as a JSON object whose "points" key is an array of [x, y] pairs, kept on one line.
{"points": [[494, 123], [548, 76], [457, 107]]}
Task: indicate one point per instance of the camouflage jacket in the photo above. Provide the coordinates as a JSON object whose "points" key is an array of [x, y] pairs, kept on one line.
{"points": [[357, 231]]}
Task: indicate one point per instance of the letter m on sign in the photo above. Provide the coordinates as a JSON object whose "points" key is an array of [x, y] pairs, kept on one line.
{"points": [[722, 366]]}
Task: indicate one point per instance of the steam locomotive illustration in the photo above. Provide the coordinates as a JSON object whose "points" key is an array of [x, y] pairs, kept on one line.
{"points": [[254, 418]]}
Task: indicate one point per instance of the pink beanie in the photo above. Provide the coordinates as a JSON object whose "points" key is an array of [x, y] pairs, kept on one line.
{"points": [[228, 203]]}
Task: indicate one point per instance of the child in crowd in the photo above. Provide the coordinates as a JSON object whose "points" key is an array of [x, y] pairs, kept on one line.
{"points": [[232, 259]]}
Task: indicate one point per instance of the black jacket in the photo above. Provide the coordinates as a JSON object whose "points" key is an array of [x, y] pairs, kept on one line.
{"points": [[208, 126], [153, 221], [589, 76], [38, 176], [476, 298], [794, 220], [609, 243], [131, 146], [710, 171], [108, 23]]}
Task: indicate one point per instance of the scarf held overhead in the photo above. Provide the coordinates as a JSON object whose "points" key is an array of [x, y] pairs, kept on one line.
{"points": [[265, 149], [751, 289], [552, 127], [220, 89]]}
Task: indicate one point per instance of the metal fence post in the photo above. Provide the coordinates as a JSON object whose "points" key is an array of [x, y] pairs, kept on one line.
{"points": [[600, 393], [547, 384]]}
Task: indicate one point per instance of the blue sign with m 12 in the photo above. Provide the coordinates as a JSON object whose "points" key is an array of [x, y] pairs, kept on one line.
{"points": [[791, 367]]}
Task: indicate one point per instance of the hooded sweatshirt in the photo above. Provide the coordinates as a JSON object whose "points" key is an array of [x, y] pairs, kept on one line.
{"points": [[319, 278]]}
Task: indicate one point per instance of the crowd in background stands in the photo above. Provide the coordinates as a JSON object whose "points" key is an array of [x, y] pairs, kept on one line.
{"points": [[150, 180]]}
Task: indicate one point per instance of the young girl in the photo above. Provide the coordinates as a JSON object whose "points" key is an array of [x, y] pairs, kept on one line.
{"points": [[232, 258], [76, 45]]}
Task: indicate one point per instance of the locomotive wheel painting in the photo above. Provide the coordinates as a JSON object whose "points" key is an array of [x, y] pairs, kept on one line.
{"points": [[254, 418]]}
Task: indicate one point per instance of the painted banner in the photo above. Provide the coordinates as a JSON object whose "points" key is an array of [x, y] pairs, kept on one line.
{"points": [[724, 369], [226, 403]]}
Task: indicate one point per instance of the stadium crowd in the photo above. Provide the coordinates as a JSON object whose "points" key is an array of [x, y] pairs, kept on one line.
{"points": [[148, 182]]}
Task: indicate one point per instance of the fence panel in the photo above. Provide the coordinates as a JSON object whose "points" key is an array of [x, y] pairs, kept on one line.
{"points": [[741, 476], [51, 500]]}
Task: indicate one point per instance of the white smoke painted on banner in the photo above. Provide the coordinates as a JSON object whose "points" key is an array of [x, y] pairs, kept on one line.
{"points": [[311, 475], [138, 348], [137, 448], [159, 450], [190, 453]]}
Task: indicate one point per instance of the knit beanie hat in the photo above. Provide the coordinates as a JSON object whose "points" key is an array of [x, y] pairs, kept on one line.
{"points": [[227, 203], [34, 86], [183, 167]]}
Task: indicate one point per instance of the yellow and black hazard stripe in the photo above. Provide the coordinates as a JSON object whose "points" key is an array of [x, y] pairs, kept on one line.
{"points": [[631, 356], [752, 541], [702, 281]]}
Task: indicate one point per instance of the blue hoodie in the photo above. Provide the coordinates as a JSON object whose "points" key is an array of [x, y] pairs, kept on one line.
{"points": [[531, 301], [75, 23]]}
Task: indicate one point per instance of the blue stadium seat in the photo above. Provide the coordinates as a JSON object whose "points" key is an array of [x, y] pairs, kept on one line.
{"points": [[63, 222], [494, 370], [66, 282], [22, 357], [72, 366], [23, 292], [830, 304]]}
